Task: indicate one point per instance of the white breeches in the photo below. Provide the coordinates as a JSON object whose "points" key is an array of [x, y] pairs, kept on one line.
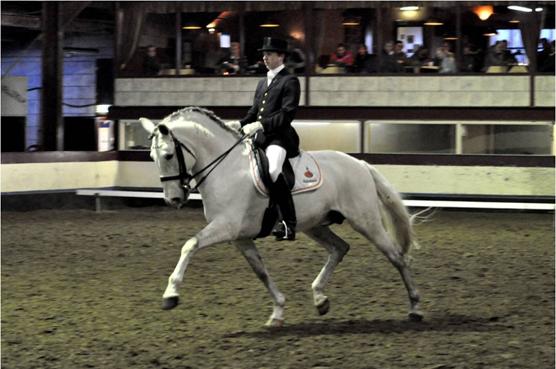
{"points": [[276, 156]]}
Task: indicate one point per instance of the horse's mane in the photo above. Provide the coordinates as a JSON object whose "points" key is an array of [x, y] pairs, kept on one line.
{"points": [[186, 112]]}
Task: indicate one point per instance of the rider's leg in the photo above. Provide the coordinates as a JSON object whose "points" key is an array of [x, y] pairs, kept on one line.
{"points": [[281, 194]]}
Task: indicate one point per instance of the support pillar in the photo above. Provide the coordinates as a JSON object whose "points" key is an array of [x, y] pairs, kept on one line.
{"points": [[52, 123]]}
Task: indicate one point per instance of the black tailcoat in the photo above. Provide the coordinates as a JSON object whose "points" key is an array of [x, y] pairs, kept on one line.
{"points": [[275, 107]]}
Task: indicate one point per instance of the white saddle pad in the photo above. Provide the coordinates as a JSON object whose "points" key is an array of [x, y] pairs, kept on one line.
{"points": [[308, 176]]}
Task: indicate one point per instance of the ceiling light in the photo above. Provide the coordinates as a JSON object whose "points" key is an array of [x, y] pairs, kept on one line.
{"points": [[450, 38], [434, 22], [520, 8], [269, 25], [191, 27], [409, 8], [483, 11], [538, 9], [351, 21], [514, 21], [490, 32]]}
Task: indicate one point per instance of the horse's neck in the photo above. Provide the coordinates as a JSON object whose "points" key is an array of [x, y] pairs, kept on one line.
{"points": [[207, 144]]}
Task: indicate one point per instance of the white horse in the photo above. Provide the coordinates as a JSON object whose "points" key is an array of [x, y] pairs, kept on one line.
{"points": [[189, 141]]}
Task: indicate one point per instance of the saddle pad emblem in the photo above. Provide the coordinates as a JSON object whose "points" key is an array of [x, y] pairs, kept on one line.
{"points": [[307, 172]]}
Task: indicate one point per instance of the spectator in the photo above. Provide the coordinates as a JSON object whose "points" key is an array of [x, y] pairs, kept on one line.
{"points": [[419, 58], [234, 63], [470, 59], [364, 62], [151, 65], [548, 65], [295, 61], [499, 55], [399, 55], [544, 54], [447, 60], [342, 57], [388, 64]]}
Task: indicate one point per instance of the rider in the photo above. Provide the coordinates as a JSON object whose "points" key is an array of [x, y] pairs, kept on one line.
{"points": [[274, 107]]}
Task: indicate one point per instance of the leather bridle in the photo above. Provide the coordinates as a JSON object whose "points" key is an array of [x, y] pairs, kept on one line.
{"points": [[183, 176]]}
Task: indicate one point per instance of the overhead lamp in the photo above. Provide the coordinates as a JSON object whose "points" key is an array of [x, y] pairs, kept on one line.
{"points": [[520, 8], [433, 22], [490, 32], [483, 11], [191, 27], [269, 25], [450, 38], [538, 10], [409, 8], [351, 22], [514, 21]]}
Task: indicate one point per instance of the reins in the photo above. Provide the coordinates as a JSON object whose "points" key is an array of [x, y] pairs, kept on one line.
{"points": [[183, 175]]}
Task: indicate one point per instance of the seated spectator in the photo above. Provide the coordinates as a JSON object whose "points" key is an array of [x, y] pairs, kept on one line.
{"points": [[295, 61], [399, 55], [499, 55], [234, 63], [544, 54], [470, 60], [548, 65], [419, 58], [387, 63], [364, 62], [447, 62], [341, 57], [151, 64]]}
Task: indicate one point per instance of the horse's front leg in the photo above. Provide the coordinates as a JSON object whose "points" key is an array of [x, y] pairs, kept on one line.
{"points": [[213, 233], [251, 254]]}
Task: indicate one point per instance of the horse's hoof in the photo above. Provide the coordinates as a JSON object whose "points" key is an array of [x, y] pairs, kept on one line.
{"points": [[415, 316], [274, 323], [323, 307], [170, 303]]}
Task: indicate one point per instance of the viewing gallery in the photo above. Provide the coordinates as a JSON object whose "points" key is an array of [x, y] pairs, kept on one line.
{"points": [[420, 89]]}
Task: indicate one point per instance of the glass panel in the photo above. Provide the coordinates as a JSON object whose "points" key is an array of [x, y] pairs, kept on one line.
{"points": [[210, 44], [409, 138], [155, 48], [344, 41], [133, 136], [321, 135], [507, 139], [287, 25]]}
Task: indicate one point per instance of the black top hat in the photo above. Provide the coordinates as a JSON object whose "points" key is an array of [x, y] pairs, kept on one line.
{"points": [[274, 44]]}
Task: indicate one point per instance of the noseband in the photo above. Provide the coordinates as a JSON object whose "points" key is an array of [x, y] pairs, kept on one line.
{"points": [[184, 177]]}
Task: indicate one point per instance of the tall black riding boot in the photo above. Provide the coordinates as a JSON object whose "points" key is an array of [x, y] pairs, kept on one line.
{"points": [[285, 230]]}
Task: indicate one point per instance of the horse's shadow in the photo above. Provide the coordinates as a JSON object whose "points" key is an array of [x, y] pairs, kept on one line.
{"points": [[447, 323]]}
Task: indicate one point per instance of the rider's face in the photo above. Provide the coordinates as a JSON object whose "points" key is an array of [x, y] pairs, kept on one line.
{"points": [[272, 59]]}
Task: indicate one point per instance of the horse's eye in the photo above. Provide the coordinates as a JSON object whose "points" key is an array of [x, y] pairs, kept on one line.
{"points": [[168, 156]]}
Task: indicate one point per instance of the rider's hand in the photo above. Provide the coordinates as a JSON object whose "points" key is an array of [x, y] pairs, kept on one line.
{"points": [[234, 124], [251, 128]]}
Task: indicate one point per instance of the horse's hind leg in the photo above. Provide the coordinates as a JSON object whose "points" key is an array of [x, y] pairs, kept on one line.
{"points": [[251, 254], [376, 233], [337, 248]]}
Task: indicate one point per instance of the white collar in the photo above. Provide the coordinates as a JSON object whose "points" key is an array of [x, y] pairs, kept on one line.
{"points": [[274, 72]]}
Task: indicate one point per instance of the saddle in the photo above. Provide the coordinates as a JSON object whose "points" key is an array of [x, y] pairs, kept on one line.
{"points": [[302, 174]]}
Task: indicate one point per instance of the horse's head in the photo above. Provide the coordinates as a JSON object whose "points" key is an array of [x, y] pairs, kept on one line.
{"points": [[167, 153]]}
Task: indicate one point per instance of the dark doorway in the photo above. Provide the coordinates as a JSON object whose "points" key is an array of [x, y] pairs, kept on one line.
{"points": [[80, 134], [13, 134]]}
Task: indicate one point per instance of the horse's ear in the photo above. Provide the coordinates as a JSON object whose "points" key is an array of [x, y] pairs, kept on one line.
{"points": [[147, 124], [162, 128]]}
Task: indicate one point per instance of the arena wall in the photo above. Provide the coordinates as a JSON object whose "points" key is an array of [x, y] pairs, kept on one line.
{"points": [[422, 179]]}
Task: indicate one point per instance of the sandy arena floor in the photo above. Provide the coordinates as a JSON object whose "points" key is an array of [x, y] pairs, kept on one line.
{"points": [[83, 290]]}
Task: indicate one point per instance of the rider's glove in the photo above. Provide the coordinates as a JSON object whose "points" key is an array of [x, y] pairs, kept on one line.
{"points": [[234, 124], [251, 128]]}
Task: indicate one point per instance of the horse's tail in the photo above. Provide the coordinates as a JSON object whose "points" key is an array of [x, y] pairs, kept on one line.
{"points": [[398, 222]]}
